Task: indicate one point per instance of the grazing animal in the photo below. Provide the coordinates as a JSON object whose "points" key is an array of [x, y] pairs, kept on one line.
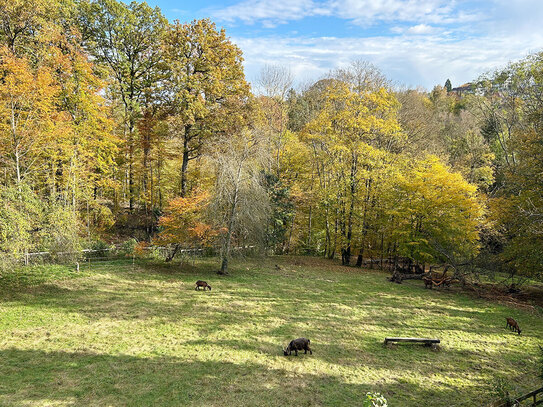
{"points": [[428, 283], [512, 324], [203, 284], [298, 345]]}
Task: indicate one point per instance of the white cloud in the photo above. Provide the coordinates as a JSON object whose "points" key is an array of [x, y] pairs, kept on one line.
{"points": [[421, 29], [433, 39], [270, 12], [363, 12], [367, 12], [406, 59]]}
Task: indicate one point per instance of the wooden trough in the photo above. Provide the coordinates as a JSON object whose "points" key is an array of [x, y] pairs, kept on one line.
{"points": [[424, 341]]}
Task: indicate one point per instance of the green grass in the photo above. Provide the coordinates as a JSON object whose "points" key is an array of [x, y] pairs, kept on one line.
{"points": [[139, 336]]}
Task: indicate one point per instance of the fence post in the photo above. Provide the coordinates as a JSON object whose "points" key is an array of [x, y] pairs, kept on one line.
{"points": [[77, 266], [26, 257], [133, 258]]}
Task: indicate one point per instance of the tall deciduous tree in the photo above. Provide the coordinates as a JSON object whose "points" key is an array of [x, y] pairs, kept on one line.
{"points": [[240, 203], [126, 38], [437, 214], [351, 130], [207, 85], [27, 113]]}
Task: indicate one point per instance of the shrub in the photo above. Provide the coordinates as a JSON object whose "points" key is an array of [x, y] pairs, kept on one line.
{"points": [[374, 400], [99, 245], [99, 248], [60, 233], [128, 246], [21, 217], [501, 389], [141, 250]]}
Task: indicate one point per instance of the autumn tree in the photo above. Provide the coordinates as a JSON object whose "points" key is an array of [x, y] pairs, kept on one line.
{"points": [[126, 39], [207, 86], [240, 203], [27, 113], [510, 106], [351, 129], [54, 126], [437, 214], [21, 24], [183, 223], [273, 84]]}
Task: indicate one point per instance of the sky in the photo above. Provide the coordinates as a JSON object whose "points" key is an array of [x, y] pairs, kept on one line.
{"points": [[415, 43]]}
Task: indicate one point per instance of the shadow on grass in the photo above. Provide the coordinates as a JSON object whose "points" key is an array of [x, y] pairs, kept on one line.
{"points": [[36, 377], [346, 316]]}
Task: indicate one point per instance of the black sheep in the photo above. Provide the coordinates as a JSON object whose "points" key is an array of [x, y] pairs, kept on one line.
{"points": [[296, 345]]}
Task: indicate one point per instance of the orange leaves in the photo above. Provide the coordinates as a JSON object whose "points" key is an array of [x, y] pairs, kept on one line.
{"points": [[183, 221]]}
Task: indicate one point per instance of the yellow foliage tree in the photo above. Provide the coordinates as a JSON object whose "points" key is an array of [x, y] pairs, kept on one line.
{"points": [[437, 213]]}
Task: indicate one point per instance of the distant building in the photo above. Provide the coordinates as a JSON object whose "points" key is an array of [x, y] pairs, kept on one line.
{"points": [[465, 88]]}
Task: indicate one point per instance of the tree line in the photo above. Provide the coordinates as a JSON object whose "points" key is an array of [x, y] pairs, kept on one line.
{"points": [[115, 122]]}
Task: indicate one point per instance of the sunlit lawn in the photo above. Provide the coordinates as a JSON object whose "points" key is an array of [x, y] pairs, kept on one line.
{"points": [[141, 335]]}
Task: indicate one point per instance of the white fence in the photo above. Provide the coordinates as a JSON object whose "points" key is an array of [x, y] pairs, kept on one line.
{"points": [[108, 254]]}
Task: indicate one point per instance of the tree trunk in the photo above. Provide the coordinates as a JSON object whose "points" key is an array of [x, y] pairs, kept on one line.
{"points": [[131, 161], [228, 238], [290, 234], [185, 163], [173, 253], [309, 230], [360, 258], [226, 249]]}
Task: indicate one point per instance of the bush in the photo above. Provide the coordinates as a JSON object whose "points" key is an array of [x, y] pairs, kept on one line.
{"points": [[374, 400], [21, 217], [60, 233], [143, 250], [8, 262], [540, 362], [99, 245], [501, 389], [128, 246], [101, 248]]}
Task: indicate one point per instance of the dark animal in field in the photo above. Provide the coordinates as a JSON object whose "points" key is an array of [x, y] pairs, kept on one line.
{"points": [[512, 324], [428, 283], [298, 345], [203, 284]]}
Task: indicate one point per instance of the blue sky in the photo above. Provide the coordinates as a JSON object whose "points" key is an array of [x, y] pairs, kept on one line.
{"points": [[414, 42]]}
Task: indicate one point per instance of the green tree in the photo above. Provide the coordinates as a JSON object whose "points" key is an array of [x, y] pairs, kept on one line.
{"points": [[448, 85]]}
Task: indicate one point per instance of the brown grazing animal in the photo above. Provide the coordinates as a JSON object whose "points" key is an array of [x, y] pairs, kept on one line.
{"points": [[296, 345], [512, 324], [201, 283], [428, 283]]}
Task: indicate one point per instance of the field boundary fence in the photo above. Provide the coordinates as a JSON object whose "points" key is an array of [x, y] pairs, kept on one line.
{"points": [[86, 257]]}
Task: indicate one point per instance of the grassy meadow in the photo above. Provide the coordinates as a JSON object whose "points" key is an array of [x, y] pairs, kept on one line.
{"points": [[140, 335]]}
